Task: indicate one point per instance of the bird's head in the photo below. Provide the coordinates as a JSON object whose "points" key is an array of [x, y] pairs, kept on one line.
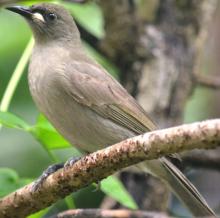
{"points": [[48, 21]]}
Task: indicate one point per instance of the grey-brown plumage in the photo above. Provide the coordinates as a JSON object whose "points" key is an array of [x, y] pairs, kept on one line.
{"points": [[84, 103]]}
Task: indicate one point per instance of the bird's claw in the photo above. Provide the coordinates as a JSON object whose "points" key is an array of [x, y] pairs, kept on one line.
{"points": [[50, 170], [70, 162]]}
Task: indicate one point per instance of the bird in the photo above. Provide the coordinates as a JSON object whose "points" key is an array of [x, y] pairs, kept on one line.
{"points": [[85, 103]]}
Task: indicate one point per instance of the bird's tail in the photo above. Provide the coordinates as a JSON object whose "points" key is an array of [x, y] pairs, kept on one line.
{"points": [[180, 186]]}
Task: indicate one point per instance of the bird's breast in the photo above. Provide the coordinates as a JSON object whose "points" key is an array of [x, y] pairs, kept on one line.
{"points": [[79, 124]]}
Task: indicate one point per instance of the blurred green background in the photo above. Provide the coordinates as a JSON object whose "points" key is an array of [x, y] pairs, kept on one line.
{"points": [[20, 151]]}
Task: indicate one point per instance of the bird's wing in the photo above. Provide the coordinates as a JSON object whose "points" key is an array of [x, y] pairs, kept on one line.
{"points": [[91, 86]]}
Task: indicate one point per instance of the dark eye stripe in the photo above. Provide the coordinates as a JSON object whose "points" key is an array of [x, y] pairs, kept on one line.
{"points": [[48, 15], [40, 10]]}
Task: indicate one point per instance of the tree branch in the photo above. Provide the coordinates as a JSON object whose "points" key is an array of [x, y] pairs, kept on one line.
{"points": [[211, 82], [101, 213], [100, 164]]}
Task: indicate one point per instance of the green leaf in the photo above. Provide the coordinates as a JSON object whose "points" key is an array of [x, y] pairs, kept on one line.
{"points": [[10, 181], [12, 121], [39, 214], [70, 202], [114, 188], [47, 134]]}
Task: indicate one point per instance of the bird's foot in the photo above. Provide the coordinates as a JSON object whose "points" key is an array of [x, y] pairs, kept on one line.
{"points": [[70, 162], [50, 170]]}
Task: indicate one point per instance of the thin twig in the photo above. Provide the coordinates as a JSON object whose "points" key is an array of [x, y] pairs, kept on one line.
{"points": [[102, 213], [100, 164], [208, 81]]}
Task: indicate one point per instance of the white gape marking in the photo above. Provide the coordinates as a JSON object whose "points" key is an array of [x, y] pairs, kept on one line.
{"points": [[38, 16]]}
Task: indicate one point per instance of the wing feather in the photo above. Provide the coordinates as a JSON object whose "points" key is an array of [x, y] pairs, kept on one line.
{"points": [[91, 86]]}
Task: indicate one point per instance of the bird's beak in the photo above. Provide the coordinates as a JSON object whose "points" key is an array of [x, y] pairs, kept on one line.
{"points": [[24, 11]]}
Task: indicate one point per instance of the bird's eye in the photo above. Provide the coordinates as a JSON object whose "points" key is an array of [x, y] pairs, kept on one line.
{"points": [[52, 16]]}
